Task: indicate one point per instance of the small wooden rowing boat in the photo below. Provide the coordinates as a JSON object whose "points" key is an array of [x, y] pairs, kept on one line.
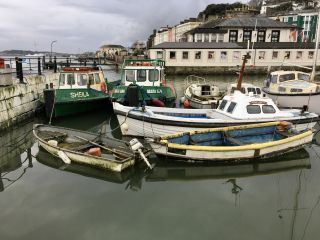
{"points": [[85, 148], [232, 143]]}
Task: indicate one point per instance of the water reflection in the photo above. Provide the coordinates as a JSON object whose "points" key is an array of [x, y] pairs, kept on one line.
{"points": [[15, 153]]}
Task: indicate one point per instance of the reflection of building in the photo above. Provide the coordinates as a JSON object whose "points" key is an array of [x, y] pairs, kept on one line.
{"points": [[110, 50]]}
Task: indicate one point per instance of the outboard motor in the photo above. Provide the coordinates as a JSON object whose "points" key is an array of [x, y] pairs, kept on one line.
{"points": [[133, 95]]}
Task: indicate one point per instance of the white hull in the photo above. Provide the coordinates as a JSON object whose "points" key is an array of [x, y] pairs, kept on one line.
{"points": [[278, 149], [298, 101], [134, 127]]}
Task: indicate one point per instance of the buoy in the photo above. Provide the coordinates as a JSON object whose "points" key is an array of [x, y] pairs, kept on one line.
{"points": [[95, 151], [156, 102], [182, 99], [186, 103]]}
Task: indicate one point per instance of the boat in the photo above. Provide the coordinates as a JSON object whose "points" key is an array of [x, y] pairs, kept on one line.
{"points": [[80, 89], [293, 89], [244, 142], [87, 148], [200, 93], [143, 82], [234, 109]]}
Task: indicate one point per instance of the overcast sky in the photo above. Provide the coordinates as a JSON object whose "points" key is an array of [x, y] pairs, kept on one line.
{"points": [[84, 25]]}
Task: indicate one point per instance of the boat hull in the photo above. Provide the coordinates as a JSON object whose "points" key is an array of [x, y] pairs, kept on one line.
{"points": [[296, 100]]}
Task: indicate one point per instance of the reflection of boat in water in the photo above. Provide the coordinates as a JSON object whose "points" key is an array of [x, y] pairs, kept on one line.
{"points": [[166, 170], [84, 170]]}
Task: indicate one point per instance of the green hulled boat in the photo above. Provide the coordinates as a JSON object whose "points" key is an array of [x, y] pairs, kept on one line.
{"points": [[80, 89], [143, 81]]}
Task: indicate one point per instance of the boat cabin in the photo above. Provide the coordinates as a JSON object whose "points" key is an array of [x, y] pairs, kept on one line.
{"points": [[246, 88], [243, 106], [81, 77], [290, 82], [146, 72]]}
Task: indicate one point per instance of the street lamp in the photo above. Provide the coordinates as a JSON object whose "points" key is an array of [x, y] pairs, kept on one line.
{"points": [[51, 49]]}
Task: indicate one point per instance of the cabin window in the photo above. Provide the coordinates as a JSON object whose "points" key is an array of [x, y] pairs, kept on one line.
{"points": [[185, 55], [97, 78], [82, 80], [223, 104], [286, 77], [153, 75], [91, 79], [268, 109], [172, 55], [258, 91], [141, 75], [62, 79], [302, 76], [231, 107], [281, 89], [251, 89], [130, 75], [70, 79], [197, 55], [253, 109], [274, 78], [243, 90], [295, 90]]}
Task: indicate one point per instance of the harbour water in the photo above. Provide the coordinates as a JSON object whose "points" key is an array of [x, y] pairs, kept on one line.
{"points": [[41, 198]]}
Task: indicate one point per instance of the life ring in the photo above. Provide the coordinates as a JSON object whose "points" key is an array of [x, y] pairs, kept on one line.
{"points": [[103, 86]]}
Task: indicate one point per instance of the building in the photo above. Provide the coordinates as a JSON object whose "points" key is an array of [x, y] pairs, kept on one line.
{"points": [[306, 20], [110, 50], [191, 57], [243, 29]]}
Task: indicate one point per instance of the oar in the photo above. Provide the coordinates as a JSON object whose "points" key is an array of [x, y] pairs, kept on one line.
{"points": [[63, 156], [103, 147]]}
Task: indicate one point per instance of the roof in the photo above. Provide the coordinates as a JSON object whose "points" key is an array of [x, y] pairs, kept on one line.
{"points": [[234, 45], [241, 22], [112, 46]]}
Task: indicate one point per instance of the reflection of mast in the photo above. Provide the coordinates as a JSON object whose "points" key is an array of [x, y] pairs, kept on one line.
{"points": [[236, 189]]}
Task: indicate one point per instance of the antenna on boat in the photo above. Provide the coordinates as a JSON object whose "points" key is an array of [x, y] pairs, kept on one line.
{"points": [[244, 58], [313, 73]]}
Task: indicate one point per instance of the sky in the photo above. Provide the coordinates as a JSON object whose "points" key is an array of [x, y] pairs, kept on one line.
{"points": [[84, 25]]}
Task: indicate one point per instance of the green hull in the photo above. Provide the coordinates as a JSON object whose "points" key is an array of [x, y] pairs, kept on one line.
{"points": [[74, 101], [147, 93]]}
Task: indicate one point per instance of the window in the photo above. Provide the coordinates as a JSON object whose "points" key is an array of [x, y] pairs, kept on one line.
{"points": [[295, 18], [304, 77], [223, 104], [275, 54], [211, 55], [213, 37], [268, 109], [62, 78], [198, 37], [310, 54], [299, 55], [231, 107], [206, 37], [172, 55], [261, 55], [185, 55], [223, 55], [91, 79], [247, 35], [141, 75], [197, 55], [287, 54], [220, 37], [233, 36], [236, 56], [82, 80], [294, 90], [153, 75], [261, 36], [70, 79], [130, 75], [286, 77], [258, 91], [251, 89], [97, 78], [253, 109], [275, 36], [281, 89], [159, 54], [274, 78]]}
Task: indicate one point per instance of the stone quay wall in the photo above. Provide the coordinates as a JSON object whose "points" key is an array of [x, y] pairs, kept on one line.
{"points": [[19, 101]]}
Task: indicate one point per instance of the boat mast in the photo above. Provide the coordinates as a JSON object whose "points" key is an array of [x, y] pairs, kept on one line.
{"points": [[313, 73], [245, 58]]}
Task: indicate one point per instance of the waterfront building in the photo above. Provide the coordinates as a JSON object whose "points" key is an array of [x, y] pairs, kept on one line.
{"points": [[110, 50], [306, 20]]}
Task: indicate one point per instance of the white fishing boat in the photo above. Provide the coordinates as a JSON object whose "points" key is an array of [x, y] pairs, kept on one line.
{"points": [[200, 93], [261, 140]]}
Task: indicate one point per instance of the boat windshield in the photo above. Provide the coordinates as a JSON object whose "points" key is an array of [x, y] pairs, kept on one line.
{"points": [[141, 75], [66, 78], [286, 77], [153, 75], [302, 76], [82, 80], [130, 75], [97, 78]]}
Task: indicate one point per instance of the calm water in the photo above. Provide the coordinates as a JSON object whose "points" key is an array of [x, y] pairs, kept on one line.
{"points": [[41, 198]]}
